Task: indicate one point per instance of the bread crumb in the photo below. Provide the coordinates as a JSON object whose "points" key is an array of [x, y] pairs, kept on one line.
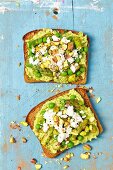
{"points": [[33, 161], [46, 162], [18, 97], [14, 125], [66, 166], [24, 140], [24, 123], [12, 139], [19, 64], [47, 13], [55, 17], [98, 99], [19, 168]]}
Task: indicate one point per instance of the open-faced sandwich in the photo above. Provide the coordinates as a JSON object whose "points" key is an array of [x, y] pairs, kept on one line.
{"points": [[56, 55], [63, 121]]}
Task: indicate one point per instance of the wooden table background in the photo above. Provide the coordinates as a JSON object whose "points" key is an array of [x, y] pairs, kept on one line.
{"points": [[93, 17]]}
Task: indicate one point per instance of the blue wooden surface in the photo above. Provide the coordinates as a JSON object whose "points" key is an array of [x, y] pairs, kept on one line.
{"points": [[90, 16]]}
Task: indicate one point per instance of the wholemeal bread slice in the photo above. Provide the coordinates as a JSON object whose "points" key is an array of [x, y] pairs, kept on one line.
{"points": [[28, 79], [32, 115]]}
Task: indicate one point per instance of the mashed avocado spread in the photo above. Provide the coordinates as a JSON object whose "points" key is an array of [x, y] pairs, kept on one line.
{"points": [[58, 56], [65, 122]]}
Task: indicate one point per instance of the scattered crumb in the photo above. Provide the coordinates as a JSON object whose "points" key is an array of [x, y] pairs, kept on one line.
{"points": [[14, 125], [98, 99], [52, 90], [18, 4], [46, 162], [43, 154], [87, 147], [94, 156], [47, 13], [19, 64], [66, 166], [24, 123], [100, 153], [68, 157], [55, 17], [38, 166], [85, 155], [57, 91], [55, 11], [12, 140], [19, 168], [24, 140], [91, 90], [33, 161], [92, 95], [18, 97]]}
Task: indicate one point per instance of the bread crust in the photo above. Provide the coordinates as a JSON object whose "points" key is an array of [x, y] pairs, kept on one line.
{"points": [[32, 115], [31, 80]]}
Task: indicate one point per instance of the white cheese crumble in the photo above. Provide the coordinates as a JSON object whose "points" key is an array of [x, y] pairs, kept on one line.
{"points": [[43, 50], [49, 117], [45, 127], [64, 132], [31, 61], [65, 40], [70, 60], [60, 64], [33, 50], [73, 68], [53, 48], [55, 38], [75, 54], [48, 40]]}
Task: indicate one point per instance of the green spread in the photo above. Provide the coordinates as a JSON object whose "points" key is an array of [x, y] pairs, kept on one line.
{"points": [[65, 122], [58, 56]]}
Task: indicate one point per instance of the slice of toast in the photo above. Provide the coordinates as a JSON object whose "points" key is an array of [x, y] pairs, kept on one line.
{"points": [[32, 115], [28, 79]]}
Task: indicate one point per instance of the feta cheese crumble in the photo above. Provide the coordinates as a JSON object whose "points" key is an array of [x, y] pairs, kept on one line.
{"points": [[64, 132]]}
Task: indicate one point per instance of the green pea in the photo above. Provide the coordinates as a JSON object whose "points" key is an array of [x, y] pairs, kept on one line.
{"points": [[63, 101], [70, 144], [51, 105], [62, 107], [29, 65], [80, 102], [80, 138], [34, 43], [72, 97], [45, 54], [38, 74], [44, 40], [81, 50], [82, 69], [70, 38], [64, 73], [37, 126], [43, 111], [70, 72], [78, 73], [63, 143], [77, 60], [86, 49], [77, 44], [39, 40], [58, 35]]}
